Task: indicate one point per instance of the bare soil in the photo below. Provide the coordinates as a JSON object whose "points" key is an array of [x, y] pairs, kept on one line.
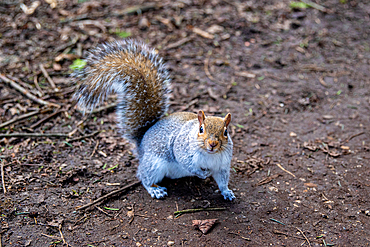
{"points": [[296, 81]]}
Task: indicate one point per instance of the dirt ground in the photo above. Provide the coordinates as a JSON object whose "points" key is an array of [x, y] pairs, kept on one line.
{"points": [[295, 78]]}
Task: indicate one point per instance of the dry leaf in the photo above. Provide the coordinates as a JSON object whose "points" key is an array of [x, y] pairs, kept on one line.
{"points": [[204, 225]]}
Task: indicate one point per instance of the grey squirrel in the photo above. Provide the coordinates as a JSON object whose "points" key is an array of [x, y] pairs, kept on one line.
{"points": [[174, 146]]}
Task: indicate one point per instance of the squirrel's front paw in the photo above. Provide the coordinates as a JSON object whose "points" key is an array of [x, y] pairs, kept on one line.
{"points": [[202, 173], [228, 194], [157, 192]]}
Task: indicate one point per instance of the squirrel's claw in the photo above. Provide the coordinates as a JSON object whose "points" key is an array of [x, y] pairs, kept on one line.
{"points": [[228, 195], [157, 192]]}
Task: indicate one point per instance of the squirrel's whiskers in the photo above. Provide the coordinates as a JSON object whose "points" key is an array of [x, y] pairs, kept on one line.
{"points": [[178, 145]]}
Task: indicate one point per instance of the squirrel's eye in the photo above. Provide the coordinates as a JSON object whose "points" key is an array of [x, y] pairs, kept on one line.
{"points": [[225, 133], [201, 129]]}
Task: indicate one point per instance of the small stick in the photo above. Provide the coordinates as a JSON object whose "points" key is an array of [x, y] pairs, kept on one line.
{"points": [[83, 137], [180, 42], [2, 176], [134, 184], [206, 70], [237, 234], [61, 235], [96, 146], [16, 119], [26, 92], [60, 135], [178, 213], [101, 210], [49, 236], [52, 84], [38, 86], [353, 136], [304, 236], [45, 119], [282, 168]]}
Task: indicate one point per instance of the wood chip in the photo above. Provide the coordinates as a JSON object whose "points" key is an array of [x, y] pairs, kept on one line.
{"points": [[310, 185]]}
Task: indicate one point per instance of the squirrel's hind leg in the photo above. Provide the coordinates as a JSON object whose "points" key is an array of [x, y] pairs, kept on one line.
{"points": [[152, 170]]}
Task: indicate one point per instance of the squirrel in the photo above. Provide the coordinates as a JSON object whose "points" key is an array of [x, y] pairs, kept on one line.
{"points": [[174, 146]]}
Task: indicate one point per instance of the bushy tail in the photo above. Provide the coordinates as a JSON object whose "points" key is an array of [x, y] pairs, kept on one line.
{"points": [[139, 77]]}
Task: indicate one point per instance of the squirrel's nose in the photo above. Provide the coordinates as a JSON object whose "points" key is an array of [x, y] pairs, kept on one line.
{"points": [[213, 143]]}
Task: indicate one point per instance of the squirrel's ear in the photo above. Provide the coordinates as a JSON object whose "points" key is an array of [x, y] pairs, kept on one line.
{"points": [[227, 119], [201, 117]]}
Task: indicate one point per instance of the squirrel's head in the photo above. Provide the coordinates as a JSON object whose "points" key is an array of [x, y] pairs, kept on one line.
{"points": [[213, 132]]}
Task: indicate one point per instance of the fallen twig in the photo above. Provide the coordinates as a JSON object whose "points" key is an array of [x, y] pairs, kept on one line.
{"points": [[96, 146], [180, 42], [41, 93], [26, 92], [353, 136], [202, 33], [60, 135], [206, 70], [237, 234], [134, 184], [49, 236], [44, 119], [61, 235], [282, 168], [304, 236], [16, 119], [46, 74], [178, 213], [101, 210], [2, 177], [83, 137], [268, 179]]}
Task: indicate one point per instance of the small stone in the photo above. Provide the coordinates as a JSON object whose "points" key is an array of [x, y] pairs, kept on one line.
{"points": [[292, 134], [170, 243]]}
